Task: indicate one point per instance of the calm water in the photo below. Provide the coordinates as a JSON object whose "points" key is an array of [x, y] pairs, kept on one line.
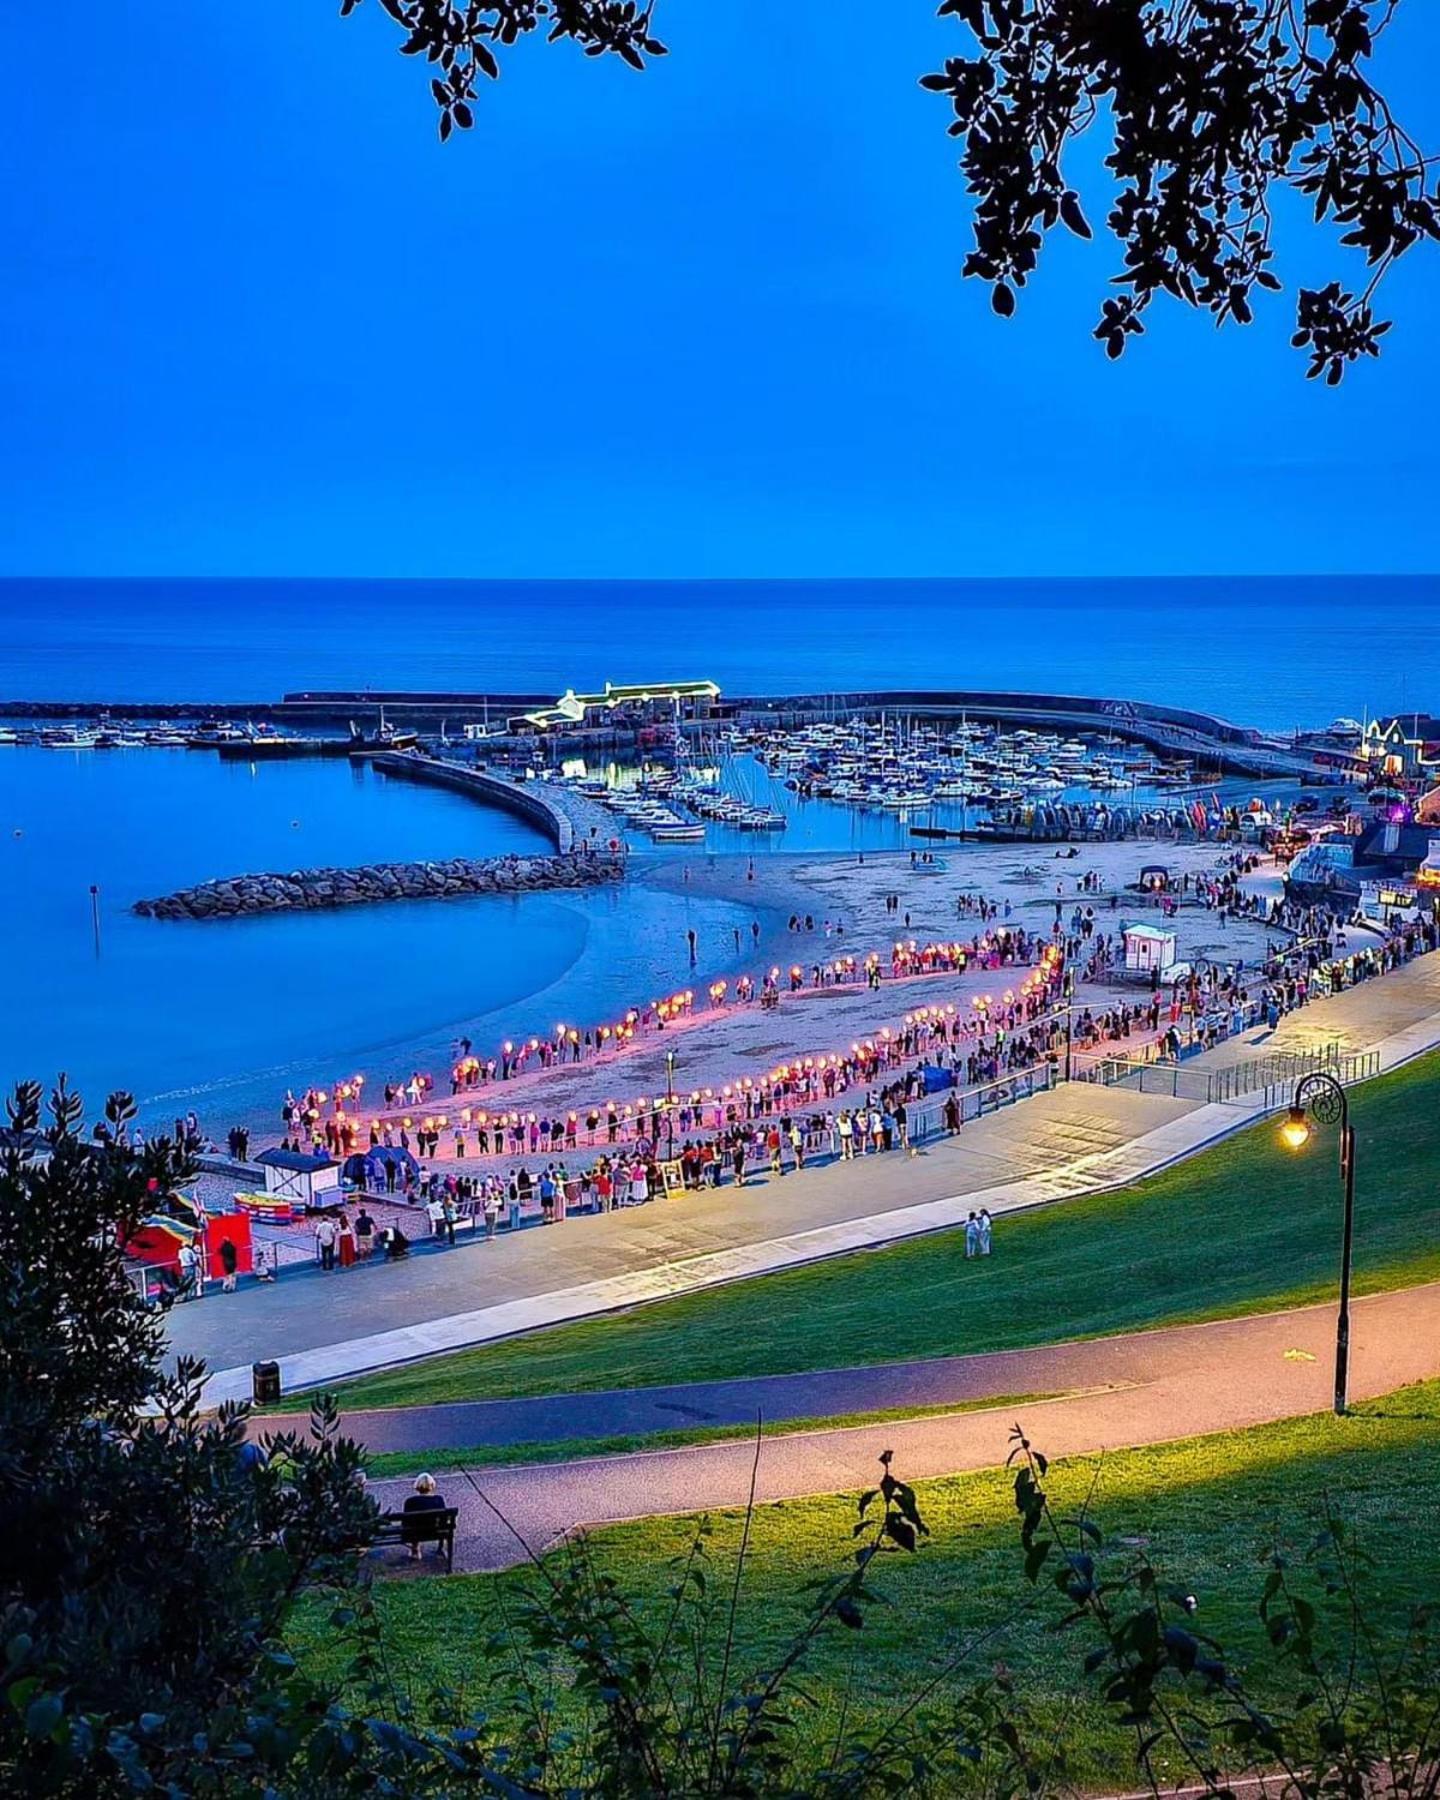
{"points": [[226, 1016], [1265, 652]]}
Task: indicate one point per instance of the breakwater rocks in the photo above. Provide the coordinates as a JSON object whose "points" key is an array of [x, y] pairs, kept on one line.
{"points": [[311, 890]]}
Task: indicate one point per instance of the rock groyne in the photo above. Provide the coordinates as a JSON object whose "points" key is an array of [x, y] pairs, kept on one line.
{"points": [[312, 890]]}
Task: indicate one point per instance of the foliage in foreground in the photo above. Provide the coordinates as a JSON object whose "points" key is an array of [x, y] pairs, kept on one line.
{"points": [[148, 1571], [1208, 105], [146, 1566], [594, 1691]]}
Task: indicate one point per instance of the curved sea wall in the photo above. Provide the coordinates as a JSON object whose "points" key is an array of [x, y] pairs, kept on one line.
{"points": [[311, 890], [526, 801]]}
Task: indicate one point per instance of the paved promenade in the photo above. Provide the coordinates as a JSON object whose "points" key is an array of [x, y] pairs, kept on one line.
{"points": [[1076, 1140], [1150, 1387]]}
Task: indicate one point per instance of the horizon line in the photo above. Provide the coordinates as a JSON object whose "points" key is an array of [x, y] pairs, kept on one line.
{"points": [[733, 580]]}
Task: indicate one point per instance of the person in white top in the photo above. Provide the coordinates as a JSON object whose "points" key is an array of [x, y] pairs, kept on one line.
{"points": [[192, 1271], [325, 1235]]}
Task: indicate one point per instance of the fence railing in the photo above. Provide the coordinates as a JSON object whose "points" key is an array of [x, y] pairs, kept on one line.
{"points": [[1272, 1076], [927, 1117]]}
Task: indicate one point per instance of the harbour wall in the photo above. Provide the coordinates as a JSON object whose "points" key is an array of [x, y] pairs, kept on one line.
{"points": [[313, 890], [1179, 730], [525, 800], [426, 710]]}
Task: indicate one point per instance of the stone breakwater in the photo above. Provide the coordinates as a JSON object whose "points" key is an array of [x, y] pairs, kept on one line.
{"points": [[311, 890]]}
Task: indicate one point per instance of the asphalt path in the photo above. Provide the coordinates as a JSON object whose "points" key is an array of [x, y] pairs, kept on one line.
{"points": [[1113, 1393]]}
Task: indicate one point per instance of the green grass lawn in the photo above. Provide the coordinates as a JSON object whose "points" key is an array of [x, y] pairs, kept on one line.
{"points": [[1244, 1227], [1206, 1511]]}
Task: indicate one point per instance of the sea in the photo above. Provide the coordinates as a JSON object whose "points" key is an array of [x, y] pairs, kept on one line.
{"points": [[225, 1017]]}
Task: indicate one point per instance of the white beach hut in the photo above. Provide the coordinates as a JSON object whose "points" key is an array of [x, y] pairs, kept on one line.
{"points": [[1148, 949], [305, 1181]]}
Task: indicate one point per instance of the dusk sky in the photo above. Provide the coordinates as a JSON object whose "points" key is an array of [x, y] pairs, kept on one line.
{"points": [[703, 321]]}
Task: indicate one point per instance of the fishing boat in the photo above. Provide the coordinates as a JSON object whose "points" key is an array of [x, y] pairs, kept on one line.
{"points": [[384, 737], [67, 737]]}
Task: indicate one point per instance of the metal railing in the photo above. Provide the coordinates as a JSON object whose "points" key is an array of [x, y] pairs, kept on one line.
{"points": [[1273, 1074], [927, 1117]]}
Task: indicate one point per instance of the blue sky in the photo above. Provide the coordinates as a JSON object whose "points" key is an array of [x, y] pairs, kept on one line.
{"points": [[705, 321]]}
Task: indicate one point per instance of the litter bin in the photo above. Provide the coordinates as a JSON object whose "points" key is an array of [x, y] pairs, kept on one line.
{"points": [[265, 1382]]}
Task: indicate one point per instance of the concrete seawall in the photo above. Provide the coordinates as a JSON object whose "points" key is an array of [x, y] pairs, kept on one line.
{"points": [[314, 890], [528, 800]]}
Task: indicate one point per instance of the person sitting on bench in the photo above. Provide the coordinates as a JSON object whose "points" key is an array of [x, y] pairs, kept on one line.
{"points": [[426, 1498]]}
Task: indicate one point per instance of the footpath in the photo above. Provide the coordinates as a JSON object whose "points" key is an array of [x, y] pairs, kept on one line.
{"points": [[1112, 1393], [1074, 1140]]}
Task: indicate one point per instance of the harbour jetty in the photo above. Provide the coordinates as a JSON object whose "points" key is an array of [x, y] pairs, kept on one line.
{"points": [[566, 817], [312, 890]]}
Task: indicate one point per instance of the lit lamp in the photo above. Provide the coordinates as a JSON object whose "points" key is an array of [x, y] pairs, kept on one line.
{"points": [[1295, 1132], [1322, 1095]]}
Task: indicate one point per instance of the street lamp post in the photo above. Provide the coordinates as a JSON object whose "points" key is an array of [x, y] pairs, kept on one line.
{"points": [[670, 1101], [1324, 1098]]}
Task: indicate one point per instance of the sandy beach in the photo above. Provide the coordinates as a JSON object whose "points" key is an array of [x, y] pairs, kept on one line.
{"points": [[717, 1045]]}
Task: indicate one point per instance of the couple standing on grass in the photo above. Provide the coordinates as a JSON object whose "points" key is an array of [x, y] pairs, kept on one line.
{"points": [[977, 1233]]}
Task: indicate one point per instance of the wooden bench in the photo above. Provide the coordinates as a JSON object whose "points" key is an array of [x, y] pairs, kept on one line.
{"points": [[430, 1525]]}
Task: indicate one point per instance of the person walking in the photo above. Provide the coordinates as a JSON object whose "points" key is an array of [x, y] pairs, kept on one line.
{"points": [[972, 1237], [345, 1242], [492, 1210], [229, 1262]]}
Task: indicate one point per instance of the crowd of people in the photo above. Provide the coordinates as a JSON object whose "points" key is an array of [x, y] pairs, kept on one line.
{"points": [[876, 1097], [304, 1115], [995, 1036]]}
